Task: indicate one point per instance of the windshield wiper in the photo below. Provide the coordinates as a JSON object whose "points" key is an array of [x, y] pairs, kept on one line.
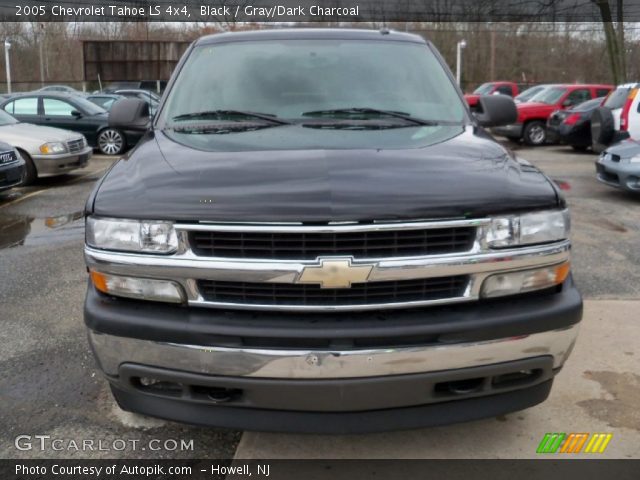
{"points": [[225, 114], [370, 111], [221, 128]]}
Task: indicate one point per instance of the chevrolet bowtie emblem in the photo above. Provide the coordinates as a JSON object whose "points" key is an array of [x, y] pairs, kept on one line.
{"points": [[335, 273]]}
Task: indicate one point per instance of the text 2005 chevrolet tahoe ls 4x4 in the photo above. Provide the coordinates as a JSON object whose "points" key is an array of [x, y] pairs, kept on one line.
{"points": [[314, 234]]}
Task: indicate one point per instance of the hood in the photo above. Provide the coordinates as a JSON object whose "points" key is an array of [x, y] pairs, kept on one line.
{"points": [[537, 106], [625, 149], [26, 134], [465, 175]]}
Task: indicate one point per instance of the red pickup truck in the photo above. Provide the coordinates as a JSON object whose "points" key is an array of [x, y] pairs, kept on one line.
{"points": [[490, 88], [531, 125]]}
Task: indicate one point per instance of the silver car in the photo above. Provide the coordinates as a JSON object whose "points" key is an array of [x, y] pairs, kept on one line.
{"points": [[619, 166], [47, 151]]}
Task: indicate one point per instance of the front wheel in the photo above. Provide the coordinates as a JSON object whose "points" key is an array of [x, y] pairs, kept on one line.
{"points": [[32, 172], [535, 133], [111, 142]]}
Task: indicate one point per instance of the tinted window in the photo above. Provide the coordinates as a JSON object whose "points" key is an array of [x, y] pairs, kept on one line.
{"points": [[23, 106], [602, 92], [578, 96], [505, 90], [53, 106], [328, 74]]}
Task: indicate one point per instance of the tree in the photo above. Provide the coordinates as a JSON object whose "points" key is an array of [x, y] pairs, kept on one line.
{"points": [[615, 41]]}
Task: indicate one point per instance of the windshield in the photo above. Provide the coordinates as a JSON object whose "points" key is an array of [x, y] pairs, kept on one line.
{"points": [[484, 89], [89, 107], [6, 119], [550, 96], [287, 78], [529, 93], [617, 98], [588, 105]]}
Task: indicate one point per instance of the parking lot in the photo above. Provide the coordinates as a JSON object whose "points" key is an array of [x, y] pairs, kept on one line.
{"points": [[50, 385]]}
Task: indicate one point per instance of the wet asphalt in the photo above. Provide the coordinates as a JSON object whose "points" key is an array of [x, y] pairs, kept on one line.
{"points": [[49, 384]]}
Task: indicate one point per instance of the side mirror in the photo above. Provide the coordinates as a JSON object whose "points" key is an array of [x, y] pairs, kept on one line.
{"points": [[496, 110], [76, 113], [129, 114]]}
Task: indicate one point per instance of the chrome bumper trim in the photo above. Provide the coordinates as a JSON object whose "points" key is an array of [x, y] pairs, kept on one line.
{"points": [[186, 268], [112, 351]]}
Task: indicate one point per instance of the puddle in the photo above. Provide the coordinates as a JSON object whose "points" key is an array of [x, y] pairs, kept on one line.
{"points": [[18, 230]]}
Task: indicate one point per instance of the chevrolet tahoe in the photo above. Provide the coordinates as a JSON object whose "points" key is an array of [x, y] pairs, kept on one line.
{"points": [[315, 234]]}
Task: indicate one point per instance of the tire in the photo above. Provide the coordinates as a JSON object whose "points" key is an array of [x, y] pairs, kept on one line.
{"points": [[535, 133], [111, 141], [32, 172], [602, 127]]}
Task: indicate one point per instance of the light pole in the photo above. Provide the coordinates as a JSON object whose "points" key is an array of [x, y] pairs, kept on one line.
{"points": [[7, 46], [461, 44]]}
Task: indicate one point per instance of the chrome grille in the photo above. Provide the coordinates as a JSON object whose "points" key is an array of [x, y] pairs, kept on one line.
{"points": [[310, 245], [418, 290], [75, 146]]}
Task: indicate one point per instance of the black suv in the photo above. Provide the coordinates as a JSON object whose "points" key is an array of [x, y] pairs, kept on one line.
{"points": [[314, 234]]}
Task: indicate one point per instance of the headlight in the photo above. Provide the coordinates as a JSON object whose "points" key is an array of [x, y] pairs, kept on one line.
{"points": [[141, 288], [528, 228], [131, 235], [52, 148]]}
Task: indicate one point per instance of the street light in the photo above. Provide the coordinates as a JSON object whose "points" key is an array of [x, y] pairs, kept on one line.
{"points": [[7, 46], [461, 44]]}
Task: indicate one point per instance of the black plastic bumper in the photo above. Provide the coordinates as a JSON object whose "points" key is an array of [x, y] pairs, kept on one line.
{"points": [[334, 422], [12, 175], [474, 321]]}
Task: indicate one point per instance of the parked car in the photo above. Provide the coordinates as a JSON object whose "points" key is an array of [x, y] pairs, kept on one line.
{"points": [[135, 92], [71, 112], [617, 118], [573, 125], [148, 85], [104, 100], [529, 93], [47, 151], [12, 167], [531, 125], [619, 166], [261, 260], [60, 89], [492, 88], [149, 97]]}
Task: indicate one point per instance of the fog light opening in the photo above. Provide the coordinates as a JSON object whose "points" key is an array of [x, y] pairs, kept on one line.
{"points": [[460, 387]]}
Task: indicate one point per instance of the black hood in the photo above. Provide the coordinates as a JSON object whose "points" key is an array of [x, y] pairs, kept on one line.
{"points": [[463, 174]]}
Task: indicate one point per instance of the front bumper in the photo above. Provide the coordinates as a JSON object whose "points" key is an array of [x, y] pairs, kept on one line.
{"points": [[511, 131], [243, 370], [48, 165], [619, 175], [12, 174]]}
